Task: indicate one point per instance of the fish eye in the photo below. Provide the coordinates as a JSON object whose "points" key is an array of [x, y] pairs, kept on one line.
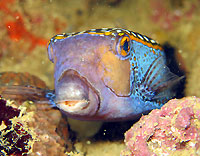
{"points": [[124, 46]]}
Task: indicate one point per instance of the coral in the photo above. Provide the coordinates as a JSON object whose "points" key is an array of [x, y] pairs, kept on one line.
{"points": [[17, 31], [46, 123], [16, 28], [172, 130], [22, 27], [16, 138], [45, 120], [16, 132], [166, 17]]}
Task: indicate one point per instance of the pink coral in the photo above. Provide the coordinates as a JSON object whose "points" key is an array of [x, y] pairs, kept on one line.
{"points": [[167, 14], [172, 130]]}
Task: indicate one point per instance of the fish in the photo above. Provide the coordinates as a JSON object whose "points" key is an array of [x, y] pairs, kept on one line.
{"points": [[109, 74], [23, 86]]}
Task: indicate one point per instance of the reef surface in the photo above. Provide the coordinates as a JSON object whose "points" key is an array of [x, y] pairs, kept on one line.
{"points": [[172, 130]]}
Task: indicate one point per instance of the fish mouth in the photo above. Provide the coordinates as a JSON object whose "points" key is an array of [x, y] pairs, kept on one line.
{"points": [[75, 95], [73, 105]]}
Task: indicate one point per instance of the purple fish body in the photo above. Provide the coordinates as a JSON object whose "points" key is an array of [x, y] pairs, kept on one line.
{"points": [[109, 74]]}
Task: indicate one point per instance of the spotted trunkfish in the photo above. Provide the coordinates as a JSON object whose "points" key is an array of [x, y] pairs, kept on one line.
{"points": [[109, 74]]}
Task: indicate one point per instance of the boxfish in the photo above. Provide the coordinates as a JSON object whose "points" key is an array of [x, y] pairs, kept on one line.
{"points": [[109, 74]]}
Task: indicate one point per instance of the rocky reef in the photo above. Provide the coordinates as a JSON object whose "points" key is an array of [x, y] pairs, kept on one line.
{"points": [[29, 127], [172, 130], [16, 138]]}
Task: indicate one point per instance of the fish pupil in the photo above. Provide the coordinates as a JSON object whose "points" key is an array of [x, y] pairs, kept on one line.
{"points": [[125, 46]]}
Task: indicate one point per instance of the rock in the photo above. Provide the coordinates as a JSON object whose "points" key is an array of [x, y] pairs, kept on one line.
{"points": [[172, 130], [16, 137]]}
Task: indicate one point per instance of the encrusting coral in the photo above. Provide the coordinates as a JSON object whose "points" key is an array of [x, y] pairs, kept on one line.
{"points": [[22, 114], [172, 130], [16, 138]]}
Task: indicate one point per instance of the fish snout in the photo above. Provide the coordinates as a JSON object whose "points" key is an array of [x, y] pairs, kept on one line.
{"points": [[75, 95]]}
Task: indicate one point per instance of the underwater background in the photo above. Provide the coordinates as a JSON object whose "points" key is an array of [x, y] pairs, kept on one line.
{"points": [[26, 27]]}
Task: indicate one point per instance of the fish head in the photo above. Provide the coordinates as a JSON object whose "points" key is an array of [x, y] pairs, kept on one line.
{"points": [[92, 69]]}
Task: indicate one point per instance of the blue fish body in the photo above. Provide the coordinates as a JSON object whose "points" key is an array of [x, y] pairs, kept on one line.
{"points": [[109, 74]]}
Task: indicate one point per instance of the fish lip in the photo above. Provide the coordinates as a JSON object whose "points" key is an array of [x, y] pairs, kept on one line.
{"points": [[72, 104]]}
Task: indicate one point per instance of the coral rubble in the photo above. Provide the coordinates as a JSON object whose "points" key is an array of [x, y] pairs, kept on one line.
{"points": [[16, 138], [173, 130], [45, 120]]}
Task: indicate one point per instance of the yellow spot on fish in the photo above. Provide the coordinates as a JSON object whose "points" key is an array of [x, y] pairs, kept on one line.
{"points": [[121, 34]]}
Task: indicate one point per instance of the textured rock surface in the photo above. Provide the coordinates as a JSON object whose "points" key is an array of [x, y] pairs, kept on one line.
{"points": [[16, 137], [173, 130], [45, 123], [33, 131], [44, 119]]}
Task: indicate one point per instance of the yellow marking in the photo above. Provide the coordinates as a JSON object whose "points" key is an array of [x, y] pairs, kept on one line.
{"points": [[48, 43], [108, 33], [123, 52], [145, 43], [59, 37], [124, 39], [114, 71], [71, 103], [120, 34], [132, 37]]}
